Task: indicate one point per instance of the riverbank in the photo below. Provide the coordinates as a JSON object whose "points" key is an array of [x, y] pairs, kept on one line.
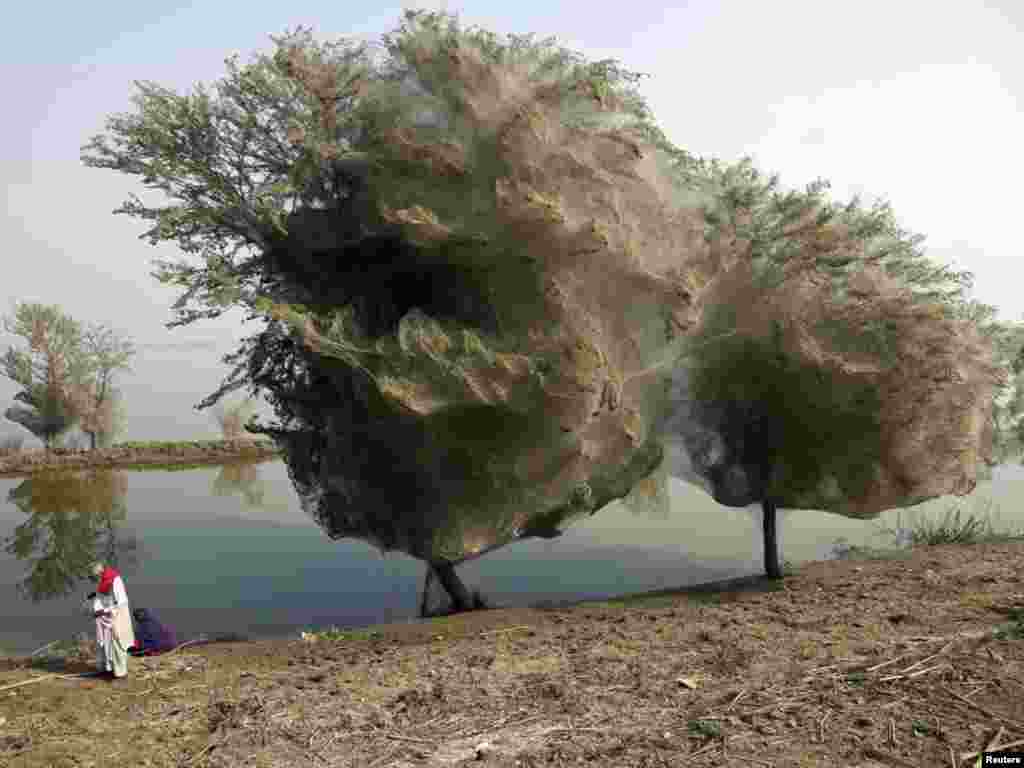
{"points": [[896, 662], [143, 455]]}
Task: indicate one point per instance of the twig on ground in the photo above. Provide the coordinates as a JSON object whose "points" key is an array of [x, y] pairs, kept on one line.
{"points": [[926, 659], [900, 700], [500, 724], [48, 677], [200, 754], [705, 748], [995, 739], [28, 682], [752, 759], [396, 737], [182, 645], [986, 710], [883, 664], [988, 747], [40, 650], [912, 675], [892, 732], [952, 756], [383, 760], [821, 726], [739, 696], [504, 629], [881, 754]]}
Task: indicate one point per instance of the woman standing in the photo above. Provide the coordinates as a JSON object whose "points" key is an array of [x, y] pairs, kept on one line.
{"points": [[114, 633]]}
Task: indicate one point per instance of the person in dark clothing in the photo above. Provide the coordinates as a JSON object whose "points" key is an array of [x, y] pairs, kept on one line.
{"points": [[152, 636]]}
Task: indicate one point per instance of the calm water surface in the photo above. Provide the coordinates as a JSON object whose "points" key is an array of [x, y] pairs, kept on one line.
{"points": [[218, 550]]}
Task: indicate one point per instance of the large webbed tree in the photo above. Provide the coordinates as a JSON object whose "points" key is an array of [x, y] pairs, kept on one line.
{"points": [[481, 268]]}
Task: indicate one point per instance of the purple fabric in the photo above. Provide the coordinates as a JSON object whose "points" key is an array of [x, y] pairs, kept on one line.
{"points": [[151, 635]]}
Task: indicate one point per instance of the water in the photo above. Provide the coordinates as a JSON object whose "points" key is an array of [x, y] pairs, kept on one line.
{"points": [[229, 550]]}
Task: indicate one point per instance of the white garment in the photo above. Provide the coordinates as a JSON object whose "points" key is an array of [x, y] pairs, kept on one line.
{"points": [[111, 653], [114, 631], [122, 613]]}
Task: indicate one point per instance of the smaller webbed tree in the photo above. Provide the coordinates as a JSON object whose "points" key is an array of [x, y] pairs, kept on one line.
{"points": [[46, 370], [1008, 407], [94, 398], [232, 418], [830, 336]]}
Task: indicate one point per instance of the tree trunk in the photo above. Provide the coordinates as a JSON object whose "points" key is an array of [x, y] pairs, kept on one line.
{"points": [[426, 592], [445, 573], [771, 541]]}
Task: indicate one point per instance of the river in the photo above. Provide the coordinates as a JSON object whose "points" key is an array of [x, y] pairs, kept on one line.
{"points": [[218, 550]]}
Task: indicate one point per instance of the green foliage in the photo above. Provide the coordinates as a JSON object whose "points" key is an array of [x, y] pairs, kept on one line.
{"points": [[98, 404], [956, 526], [814, 424], [1014, 628], [860, 552], [232, 418], [337, 634], [788, 227], [44, 370], [1008, 406], [708, 729], [231, 161], [66, 373]]}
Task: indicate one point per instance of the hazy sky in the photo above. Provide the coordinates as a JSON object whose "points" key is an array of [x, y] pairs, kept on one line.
{"points": [[916, 102]]}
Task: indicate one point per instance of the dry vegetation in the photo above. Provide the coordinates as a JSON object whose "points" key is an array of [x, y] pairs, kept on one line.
{"points": [[913, 662]]}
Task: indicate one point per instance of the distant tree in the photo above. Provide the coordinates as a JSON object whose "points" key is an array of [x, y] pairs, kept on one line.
{"points": [[232, 418], [45, 370], [114, 420], [92, 394], [1008, 407]]}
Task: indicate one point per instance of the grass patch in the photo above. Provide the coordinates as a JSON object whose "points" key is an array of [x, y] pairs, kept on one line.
{"points": [[646, 600], [337, 634], [922, 728], [859, 552], [1014, 628], [705, 598], [708, 729], [856, 679], [957, 526]]}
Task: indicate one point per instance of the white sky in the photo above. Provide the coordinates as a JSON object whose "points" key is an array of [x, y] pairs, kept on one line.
{"points": [[917, 102]]}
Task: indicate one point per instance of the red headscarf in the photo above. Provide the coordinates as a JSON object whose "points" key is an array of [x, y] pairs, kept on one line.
{"points": [[107, 579]]}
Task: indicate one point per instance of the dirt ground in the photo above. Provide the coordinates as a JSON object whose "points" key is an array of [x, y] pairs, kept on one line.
{"points": [[899, 662]]}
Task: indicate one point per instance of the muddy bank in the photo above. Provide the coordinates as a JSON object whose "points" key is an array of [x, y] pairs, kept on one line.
{"points": [[908, 662], [170, 454]]}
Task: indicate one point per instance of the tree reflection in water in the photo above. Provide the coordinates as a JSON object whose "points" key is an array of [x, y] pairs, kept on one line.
{"points": [[245, 479], [74, 519]]}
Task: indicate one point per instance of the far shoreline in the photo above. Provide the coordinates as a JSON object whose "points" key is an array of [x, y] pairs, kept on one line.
{"points": [[183, 454]]}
